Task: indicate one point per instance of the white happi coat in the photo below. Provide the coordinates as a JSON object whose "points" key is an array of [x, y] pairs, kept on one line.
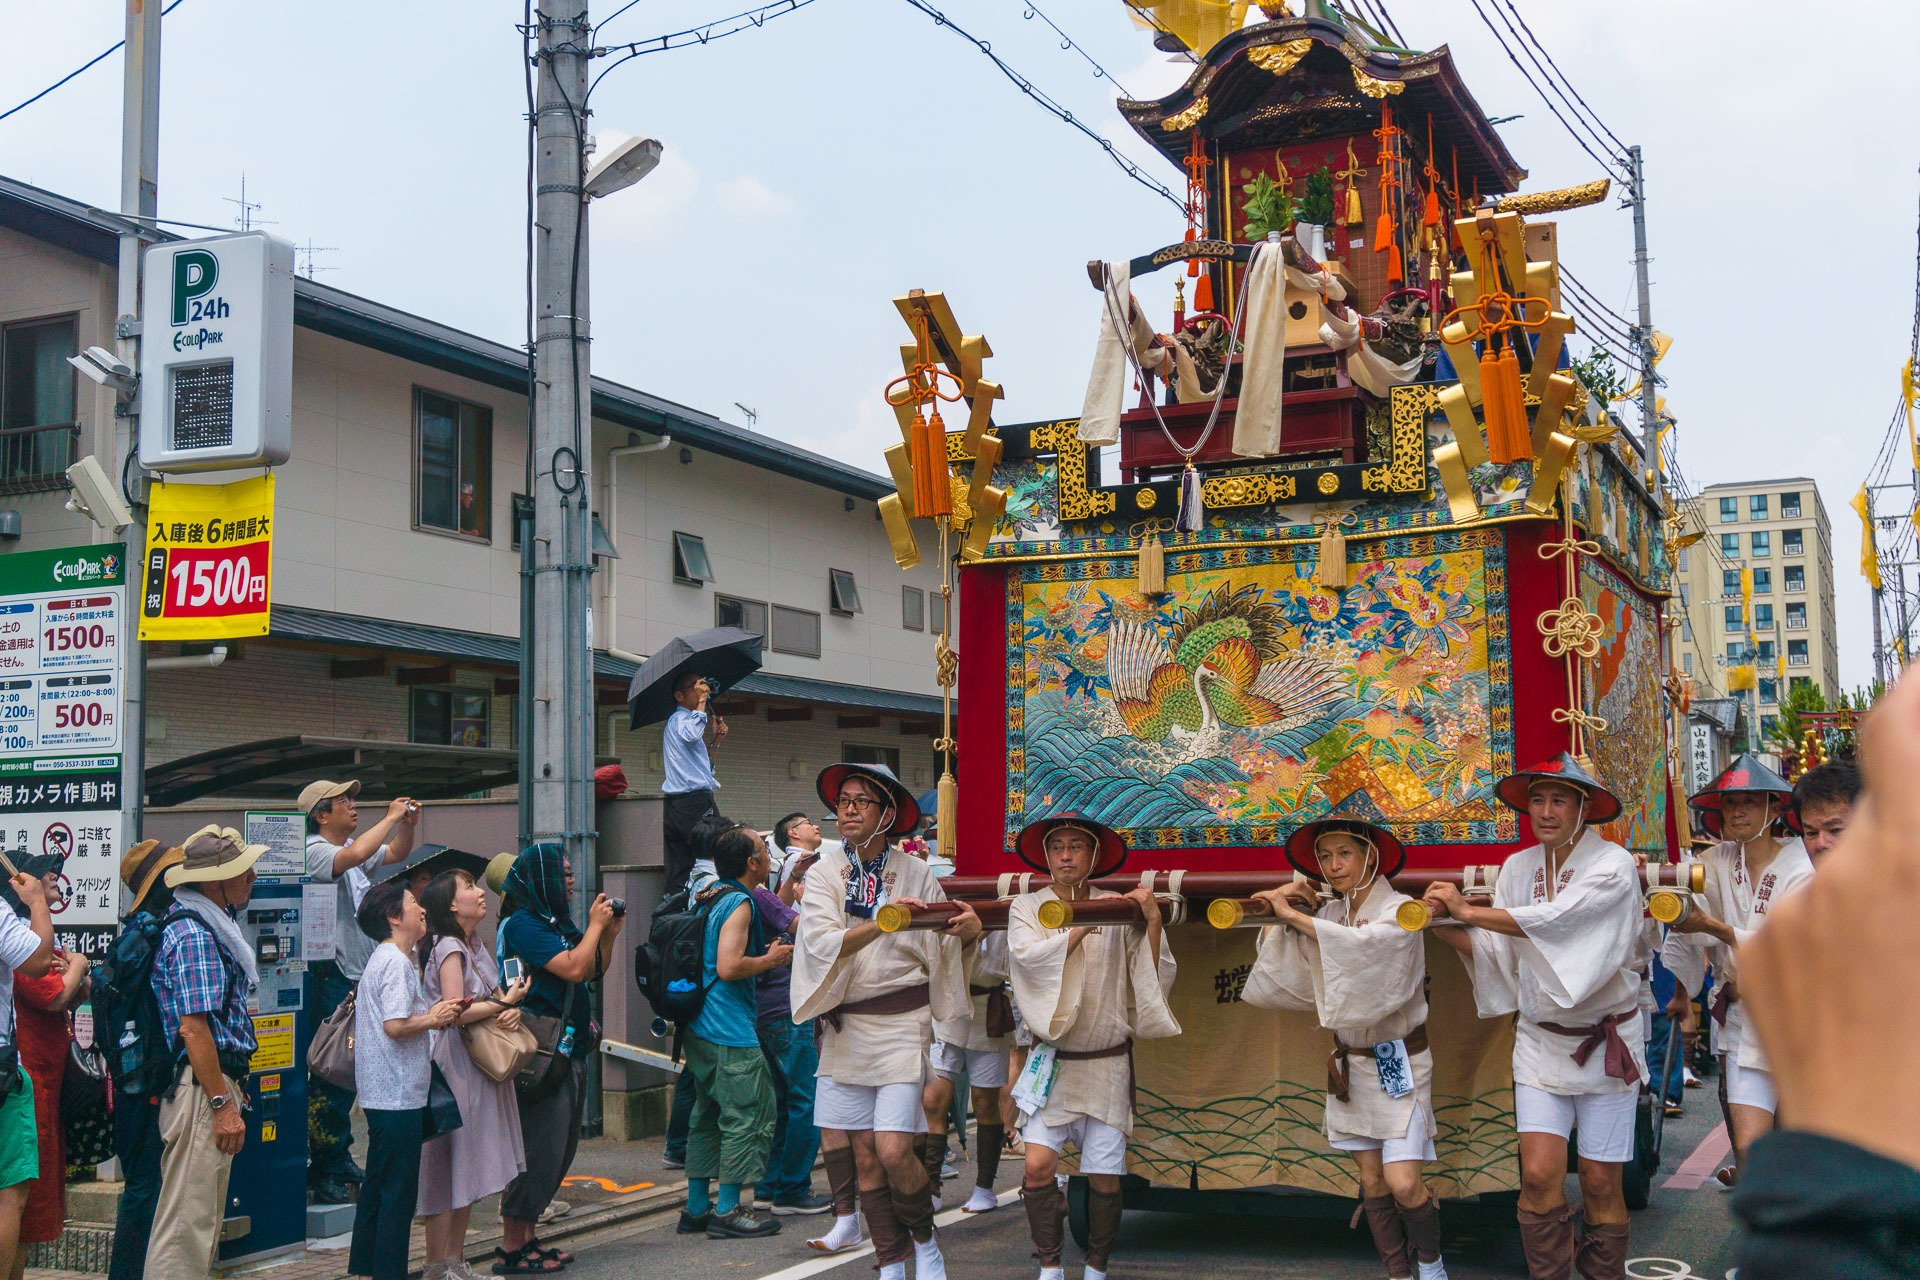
{"points": [[1367, 984], [1576, 965], [987, 965], [1736, 900], [1108, 991], [874, 1048]]}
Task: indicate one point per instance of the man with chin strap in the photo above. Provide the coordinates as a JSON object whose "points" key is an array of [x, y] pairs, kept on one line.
{"points": [[881, 997], [1748, 874], [1560, 946], [1087, 993]]}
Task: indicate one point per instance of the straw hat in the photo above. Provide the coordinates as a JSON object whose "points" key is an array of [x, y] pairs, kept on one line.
{"points": [[906, 809], [141, 865], [1303, 846], [497, 867], [213, 853], [1602, 805], [1110, 851]]}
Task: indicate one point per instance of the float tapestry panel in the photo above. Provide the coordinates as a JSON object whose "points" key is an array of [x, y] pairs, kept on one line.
{"points": [[1250, 699], [1623, 688]]}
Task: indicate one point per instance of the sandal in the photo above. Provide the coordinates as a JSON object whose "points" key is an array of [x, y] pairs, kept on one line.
{"points": [[524, 1261], [560, 1256]]}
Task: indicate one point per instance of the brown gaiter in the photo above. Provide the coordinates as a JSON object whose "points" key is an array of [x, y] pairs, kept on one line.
{"points": [[1423, 1229], [913, 1210], [1389, 1234], [842, 1181], [1547, 1241], [1045, 1208], [1603, 1251], [890, 1243], [1103, 1225], [987, 1145], [932, 1150]]}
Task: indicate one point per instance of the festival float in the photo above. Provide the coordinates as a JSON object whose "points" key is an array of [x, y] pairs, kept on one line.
{"points": [[1370, 545]]}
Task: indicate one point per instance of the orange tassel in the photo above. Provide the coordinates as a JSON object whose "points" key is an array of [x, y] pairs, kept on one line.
{"points": [[1396, 270], [1430, 216], [1383, 231], [1193, 264], [939, 487], [1507, 437], [1203, 292]]}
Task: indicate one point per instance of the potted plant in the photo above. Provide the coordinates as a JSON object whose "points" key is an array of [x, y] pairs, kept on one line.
{"points": [[1314, 214], [1267, 208]]}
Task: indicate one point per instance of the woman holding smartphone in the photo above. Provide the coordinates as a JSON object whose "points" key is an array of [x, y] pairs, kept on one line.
{"points": [[485, 1153]]}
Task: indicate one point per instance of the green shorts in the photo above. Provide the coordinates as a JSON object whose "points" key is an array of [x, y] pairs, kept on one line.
{"points": [[19, 1142]]}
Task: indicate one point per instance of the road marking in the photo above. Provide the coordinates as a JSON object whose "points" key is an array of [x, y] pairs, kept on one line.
{"points": [[605, 1184], [814, 1266], [1697, 1168]]}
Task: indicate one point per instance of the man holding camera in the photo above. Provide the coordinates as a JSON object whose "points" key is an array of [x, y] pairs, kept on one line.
{"points": [[689, 785], [338, 856], [26, 946]]}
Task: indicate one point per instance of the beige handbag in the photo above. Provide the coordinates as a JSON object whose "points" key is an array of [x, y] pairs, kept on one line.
{"points": [[498, 1052]]}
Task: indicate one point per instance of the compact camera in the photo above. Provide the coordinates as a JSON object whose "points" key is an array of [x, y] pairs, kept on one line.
{"points": [[618, 906]]}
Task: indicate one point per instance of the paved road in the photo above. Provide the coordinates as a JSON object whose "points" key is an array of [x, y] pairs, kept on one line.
{"points": [[1683, 1235]]}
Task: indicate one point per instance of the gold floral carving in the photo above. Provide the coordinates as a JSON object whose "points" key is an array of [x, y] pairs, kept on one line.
{"points": [[1192, 116], [1246, 490], [1557, 201], [1280, 58], [1376, 88], [1077, 502]]}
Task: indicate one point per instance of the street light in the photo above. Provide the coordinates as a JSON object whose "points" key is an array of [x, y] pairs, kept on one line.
{"points": [[625, 165]]}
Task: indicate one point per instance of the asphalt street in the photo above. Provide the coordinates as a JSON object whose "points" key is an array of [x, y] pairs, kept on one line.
{"points": [[1684, 1234]]}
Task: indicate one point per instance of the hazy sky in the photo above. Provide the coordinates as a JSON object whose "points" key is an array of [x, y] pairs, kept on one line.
{"points": [[852, 150]]}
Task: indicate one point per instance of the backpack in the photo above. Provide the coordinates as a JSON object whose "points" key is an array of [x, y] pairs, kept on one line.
{"points": [[668, 966], [126, 1010]]}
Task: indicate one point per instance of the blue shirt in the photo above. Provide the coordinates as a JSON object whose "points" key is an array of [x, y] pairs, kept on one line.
{"points": [[728, 1015], [535, 942], [192, 975], [684, 752]]}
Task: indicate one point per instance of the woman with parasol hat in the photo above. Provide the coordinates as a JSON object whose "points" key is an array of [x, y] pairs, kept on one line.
{"points": [[1352, 964], [1560, 946], [1087, 994], [881, 997], [1748, 873]]}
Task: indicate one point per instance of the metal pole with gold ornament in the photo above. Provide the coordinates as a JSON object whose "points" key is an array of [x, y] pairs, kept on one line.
{"points": [[942, 364]]}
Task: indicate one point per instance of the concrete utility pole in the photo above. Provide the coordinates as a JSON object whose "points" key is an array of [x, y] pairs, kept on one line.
{"points": [[139, 199], [1649, 399], [561, 730]]}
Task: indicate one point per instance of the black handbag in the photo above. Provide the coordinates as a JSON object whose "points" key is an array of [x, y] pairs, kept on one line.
{"points": [[442, 1114], [548, 1067], [85, 1113]]}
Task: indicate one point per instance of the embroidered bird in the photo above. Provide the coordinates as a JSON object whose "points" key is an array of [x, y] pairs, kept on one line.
{"points": [[1220, 665]]}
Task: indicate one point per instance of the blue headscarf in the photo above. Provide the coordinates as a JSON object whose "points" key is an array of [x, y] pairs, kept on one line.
{"points": [[538, 883]]}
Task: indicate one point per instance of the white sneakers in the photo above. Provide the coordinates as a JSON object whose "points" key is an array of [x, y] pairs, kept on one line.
{"points": [[928, 1262], [1053, 1273], [981, 1201], [843, 1235], [1435, 1270]]}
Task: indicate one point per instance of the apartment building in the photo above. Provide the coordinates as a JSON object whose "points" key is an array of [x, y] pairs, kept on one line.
{"points": [[1779, 530]]}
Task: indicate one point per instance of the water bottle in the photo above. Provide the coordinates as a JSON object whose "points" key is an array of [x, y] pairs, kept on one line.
{"points": [[131, 1052], [565, 1047]]}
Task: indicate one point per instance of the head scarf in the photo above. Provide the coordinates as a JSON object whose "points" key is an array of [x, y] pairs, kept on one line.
{"points": [[538, 883], [34, 865]]}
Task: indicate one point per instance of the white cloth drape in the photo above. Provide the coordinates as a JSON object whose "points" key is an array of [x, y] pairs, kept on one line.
{"points": [[1256, 423]]}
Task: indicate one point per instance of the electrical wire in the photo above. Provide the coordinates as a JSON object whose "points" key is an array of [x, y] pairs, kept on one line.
{"points": [[705, 34], [1068, 42], [1592, 115], [85, 66], [1392, 26], [1033, 91], [1146, 16], [1616, 164], [1592, 297], [1554, 86]]}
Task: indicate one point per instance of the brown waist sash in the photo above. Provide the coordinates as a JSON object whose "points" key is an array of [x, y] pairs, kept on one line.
{"points": [[899, 1000], [1338, 1081], [999, 1008], [1604, 1032], [1725, 996], [1125, 1047]]}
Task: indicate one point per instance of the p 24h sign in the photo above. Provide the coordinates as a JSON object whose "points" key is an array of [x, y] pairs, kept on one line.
{"points": [[208, 569]]}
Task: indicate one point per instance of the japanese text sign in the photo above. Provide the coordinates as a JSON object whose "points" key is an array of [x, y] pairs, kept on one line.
{"points": [[209, 561]]}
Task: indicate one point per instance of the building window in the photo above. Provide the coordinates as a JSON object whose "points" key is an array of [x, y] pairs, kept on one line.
{"points": [[1686, 595], [1730, 545], [691, 567], [1762, 580], [748, 615], [37, 401], [855, 753], [1769, 692], [1790, 506], [1729, 510], [1764, 651], [453, 452], [1799, 682], [1797, 616], [1734, 622], [1767, 725], [1763, 617], [913, 608], [1730, 584], [1793, 542], [936, 613], [1796, 578], [1757, 506], [1683, 558], [1737, 654], [450, 717], [795, 631], [1762, 541], [1686, 663], [1686, 628], [844, 595], [1797, 653]]}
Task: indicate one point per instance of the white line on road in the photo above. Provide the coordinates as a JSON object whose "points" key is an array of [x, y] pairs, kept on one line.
{"points": [[815, 1266]]}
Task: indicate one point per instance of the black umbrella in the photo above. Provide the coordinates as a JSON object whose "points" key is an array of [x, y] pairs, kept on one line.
{"points": [[723, 655], [432, 859]]}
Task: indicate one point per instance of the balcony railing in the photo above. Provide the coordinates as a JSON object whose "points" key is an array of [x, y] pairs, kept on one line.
{"points": [[1799, 660], [1796, 624], [35, 459]]}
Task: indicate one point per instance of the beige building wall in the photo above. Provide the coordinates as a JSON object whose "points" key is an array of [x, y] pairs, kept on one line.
{"points": [[1793, 593]]}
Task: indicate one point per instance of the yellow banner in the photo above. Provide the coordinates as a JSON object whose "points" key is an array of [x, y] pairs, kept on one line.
{"points": [[1869, 553], [1740, 679], [209, 561]]}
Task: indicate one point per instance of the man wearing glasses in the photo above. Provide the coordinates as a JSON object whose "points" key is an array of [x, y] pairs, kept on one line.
{"points": [[881, 996]]}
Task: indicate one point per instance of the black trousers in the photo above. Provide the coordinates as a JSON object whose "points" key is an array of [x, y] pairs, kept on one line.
{"points": [[136, 1141], [383, 1216], [682, 814]]}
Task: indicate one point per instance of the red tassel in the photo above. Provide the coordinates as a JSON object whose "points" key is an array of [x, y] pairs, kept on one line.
{"points": [[1203, 292]]}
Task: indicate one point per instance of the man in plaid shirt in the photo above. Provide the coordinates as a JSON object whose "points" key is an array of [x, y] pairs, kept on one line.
{"points": [[203, 974]]}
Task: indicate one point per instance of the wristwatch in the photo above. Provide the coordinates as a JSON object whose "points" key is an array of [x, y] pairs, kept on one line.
{"points": [[218, 1100]]}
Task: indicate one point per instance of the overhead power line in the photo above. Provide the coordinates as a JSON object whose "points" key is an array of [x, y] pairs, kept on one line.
{"points": [[85, 66], [1591, 115], [1068, 42], [705, 34], [1586, 138]]}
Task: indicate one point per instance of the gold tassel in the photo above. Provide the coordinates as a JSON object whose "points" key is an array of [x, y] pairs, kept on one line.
{"points": [[1508, 439], [946, 812], [1355, 217], [1332, 571], [939, 482], [1153, 566], [919, 460]]}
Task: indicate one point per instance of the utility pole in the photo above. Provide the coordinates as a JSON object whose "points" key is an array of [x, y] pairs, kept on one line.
{"points": [[561, 714], [1649, 398], [140, 201]]}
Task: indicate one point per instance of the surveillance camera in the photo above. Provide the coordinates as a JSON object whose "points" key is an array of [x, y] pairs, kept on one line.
{"points": [[106, 369], [95, 497]]}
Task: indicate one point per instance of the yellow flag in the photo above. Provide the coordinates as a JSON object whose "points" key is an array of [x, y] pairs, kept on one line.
{"points": [[1740, 679], [1907, 394], [1746, 597], [1780, 670], [1869, 554]]}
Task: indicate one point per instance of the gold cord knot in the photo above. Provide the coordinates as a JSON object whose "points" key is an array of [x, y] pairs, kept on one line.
{"points": [[1571, 629]]}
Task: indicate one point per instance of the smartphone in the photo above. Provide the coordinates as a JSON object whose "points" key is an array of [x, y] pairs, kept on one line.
{"points": [[512, 969], [466, 1002]]}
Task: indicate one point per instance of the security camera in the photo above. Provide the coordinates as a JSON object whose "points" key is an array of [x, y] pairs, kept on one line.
{"points": [[95, 497], [106, 369]]}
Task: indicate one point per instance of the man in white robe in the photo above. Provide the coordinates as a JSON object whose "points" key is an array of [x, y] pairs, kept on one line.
{"points": [[1560, 946], [1748, 873], [880, 997], [1087, 993], [1352, 964], [982, 1057]]}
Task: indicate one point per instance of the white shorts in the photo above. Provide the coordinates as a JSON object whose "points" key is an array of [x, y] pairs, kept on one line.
{"points": [[1103, 1148], [985, 1068], [1415, 1144], [1749, 1086], [1605, 1120], [883, 1108]]}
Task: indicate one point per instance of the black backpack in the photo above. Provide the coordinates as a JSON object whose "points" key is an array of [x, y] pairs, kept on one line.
{"points": [[126, 1010], [667, 967]]}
